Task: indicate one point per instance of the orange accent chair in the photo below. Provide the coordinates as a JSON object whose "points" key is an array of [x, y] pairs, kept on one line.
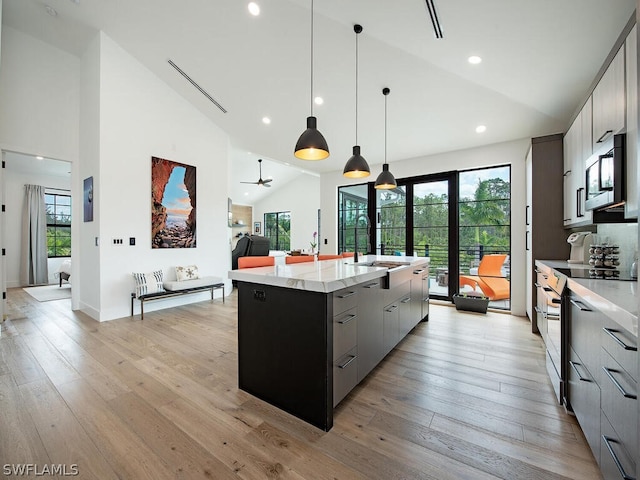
{"points": [[490, 278], [258, 261], [298, 259], [347, 254], [329, 257]]}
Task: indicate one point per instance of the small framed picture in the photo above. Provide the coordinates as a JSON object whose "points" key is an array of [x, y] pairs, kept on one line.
{"points": [[257, 227]]}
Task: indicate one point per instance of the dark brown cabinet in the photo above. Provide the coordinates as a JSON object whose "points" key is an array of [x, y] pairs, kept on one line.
{"points": [[545, 237]]}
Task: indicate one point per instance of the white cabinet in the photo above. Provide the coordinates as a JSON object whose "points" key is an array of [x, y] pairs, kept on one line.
{"points": [[631, 49], [609, 103], [577, 149]]}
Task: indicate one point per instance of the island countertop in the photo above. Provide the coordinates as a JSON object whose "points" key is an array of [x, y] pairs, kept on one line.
{"points": [[326, 275]]}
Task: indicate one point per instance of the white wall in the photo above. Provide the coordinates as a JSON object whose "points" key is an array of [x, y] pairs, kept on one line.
{"points": [[301, 197], [141, 117], [15, 183], [512, 153], [39, 94]]}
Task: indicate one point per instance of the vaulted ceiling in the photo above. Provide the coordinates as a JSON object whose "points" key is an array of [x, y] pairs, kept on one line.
{"points": [[539, 59]]}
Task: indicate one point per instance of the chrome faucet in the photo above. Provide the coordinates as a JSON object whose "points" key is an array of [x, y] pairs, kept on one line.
{"points": [[355, 231]]}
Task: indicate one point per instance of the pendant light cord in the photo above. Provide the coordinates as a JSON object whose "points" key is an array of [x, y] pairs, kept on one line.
{"points": [[312, 58], [357, 34], [385, 127]]}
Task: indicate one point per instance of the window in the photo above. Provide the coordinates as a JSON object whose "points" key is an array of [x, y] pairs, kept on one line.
{"points": [[277, 228], [352, 203], [58, 224]]}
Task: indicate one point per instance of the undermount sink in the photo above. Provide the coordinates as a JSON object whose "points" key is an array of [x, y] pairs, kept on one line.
{"points": [[379, 263]]}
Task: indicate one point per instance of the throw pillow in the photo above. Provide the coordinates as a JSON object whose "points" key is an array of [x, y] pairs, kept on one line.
{"points": [[148, 282], [190, 272]]}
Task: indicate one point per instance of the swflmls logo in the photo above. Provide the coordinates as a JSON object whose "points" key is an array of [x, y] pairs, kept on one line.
{"points": [[23, 469]]}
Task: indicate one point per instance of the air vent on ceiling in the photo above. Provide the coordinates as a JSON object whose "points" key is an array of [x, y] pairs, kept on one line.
{"points": [[434, 18], [200, 89]]}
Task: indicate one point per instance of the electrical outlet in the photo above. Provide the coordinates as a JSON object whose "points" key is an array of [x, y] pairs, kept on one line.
{"points": [[118, 241], [132, 241], [260, 295]]}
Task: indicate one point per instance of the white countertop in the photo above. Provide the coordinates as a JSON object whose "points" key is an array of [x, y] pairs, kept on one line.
{"points": [[322, 276], [617, 299]]}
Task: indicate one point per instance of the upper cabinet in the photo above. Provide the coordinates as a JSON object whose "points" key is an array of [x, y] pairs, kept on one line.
{"points": [[631, 49], [577, 149], [609, 103]]}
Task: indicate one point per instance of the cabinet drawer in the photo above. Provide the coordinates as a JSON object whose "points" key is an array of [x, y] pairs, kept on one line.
{"points": [[345, 375], [619, 403], [584, 396], [344, 300], [615, 461], [585, 328], [622, 346], [345, 332]]}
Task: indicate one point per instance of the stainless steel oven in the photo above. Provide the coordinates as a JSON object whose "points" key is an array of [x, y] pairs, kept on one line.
{"points": [[549, 315]]}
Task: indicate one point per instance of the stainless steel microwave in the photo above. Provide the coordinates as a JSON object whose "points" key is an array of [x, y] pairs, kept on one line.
{"points": [[605, 177]]}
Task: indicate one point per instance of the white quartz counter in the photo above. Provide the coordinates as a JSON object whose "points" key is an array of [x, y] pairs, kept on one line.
{"points": [[617, 299], [322, 276]]}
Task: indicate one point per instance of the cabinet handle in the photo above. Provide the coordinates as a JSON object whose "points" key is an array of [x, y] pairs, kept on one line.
{"points": [[608, 441], [346, 364], [526, 241], [611, 333], [349, 294], [575, 369], [568, 172], [537, 285], [580, 306], [580, 211], [418, 272], [347, 320], [405, 300], [620, 388], [537, 309], [552, 316], [526, 215], [372, 285], [391, 308], [601, 139]]}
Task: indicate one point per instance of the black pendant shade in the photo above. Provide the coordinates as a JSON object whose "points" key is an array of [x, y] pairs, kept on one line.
{"points": [[357, 166], [386, 180], [311, 144]]}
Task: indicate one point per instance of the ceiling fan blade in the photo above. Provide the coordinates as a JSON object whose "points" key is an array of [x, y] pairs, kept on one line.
{"points": [[267, 180], [252, 183], [266, 185]]}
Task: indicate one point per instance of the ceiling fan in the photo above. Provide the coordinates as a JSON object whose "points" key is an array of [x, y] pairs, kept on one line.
{"points": [[264, 183]]}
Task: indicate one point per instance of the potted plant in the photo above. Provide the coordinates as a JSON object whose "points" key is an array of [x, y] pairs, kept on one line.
{"points": [[471, 302]]}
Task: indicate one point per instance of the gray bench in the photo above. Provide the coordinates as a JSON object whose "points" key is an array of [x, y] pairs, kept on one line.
{"points": [[182, 289]]}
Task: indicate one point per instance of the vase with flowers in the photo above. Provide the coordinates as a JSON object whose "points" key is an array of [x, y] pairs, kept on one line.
{"points": [[314, 243]]}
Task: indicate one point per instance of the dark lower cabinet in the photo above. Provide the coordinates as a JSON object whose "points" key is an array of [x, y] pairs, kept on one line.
{"points": [[370, 342], [616, 462], [585, 400]]}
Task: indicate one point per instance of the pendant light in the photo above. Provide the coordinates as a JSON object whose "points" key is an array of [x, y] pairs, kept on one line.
{"points": [[311, 144], [357, 166], [385, 180]]}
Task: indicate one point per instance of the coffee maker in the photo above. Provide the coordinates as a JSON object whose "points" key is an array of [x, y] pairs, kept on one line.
{"points": [[579, 242]]}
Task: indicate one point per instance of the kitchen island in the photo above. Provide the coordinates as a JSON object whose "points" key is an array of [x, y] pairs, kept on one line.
{"points": [[308, 333]]}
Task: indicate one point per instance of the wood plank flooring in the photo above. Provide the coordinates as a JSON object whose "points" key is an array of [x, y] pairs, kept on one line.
{"points": [[464, 396]]}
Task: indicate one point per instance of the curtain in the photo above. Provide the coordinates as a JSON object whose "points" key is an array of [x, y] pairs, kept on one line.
{"points": [[33, 265]]}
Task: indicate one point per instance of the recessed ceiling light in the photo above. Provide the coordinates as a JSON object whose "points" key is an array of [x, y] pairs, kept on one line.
{"points": [[474, 60], [254, 9], [481, 129], [318, 100], [39, 158], [246, 193], [266, 120]]}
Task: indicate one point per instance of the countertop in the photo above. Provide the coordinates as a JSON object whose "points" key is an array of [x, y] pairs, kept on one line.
{"points": [[617, 299], [322, 276]]}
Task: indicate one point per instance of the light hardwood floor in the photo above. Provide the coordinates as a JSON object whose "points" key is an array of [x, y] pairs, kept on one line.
{"points": [[464, 396]]}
